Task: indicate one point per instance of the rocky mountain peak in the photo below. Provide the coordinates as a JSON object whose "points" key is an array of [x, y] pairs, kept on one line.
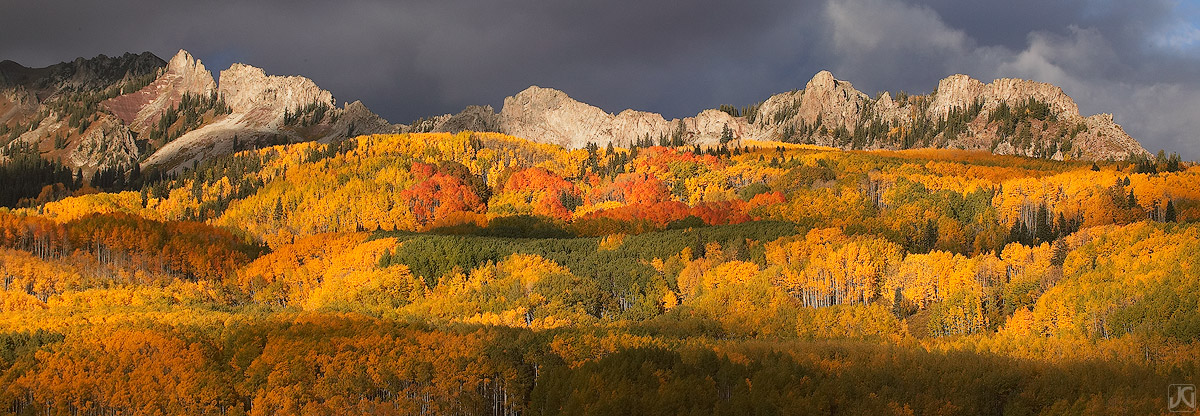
{"points": [[830, 99], [183, 75], [546, 97], [181, 59], [248, 89], [191, 72], [822, 81], [549, 115]]}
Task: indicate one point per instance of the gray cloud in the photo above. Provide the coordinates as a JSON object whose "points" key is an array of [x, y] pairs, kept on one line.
{"points": [[1138, 60]]}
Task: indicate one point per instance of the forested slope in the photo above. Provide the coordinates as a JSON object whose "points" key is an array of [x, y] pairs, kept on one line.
{"points": [[479, 273]]}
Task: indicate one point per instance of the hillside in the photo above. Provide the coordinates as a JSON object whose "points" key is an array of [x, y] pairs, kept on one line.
{"points": [[56, 109], [383, 273]]}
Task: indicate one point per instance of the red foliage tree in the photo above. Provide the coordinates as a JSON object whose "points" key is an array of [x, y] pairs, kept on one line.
{"points": [[553, 196], [439, 195]]}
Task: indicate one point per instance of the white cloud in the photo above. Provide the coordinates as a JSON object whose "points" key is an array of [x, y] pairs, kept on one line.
{"points": [[1061, 60]]}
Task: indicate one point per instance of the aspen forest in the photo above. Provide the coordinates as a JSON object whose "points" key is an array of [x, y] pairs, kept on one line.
{"points": [[484, 274]]}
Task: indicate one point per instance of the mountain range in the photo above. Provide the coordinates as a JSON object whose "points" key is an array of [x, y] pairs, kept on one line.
{"points": [[113, 112]]}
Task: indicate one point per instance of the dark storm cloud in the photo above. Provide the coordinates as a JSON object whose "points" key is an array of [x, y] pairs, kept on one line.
{"points": [[1006, 23], [1138, 60]]}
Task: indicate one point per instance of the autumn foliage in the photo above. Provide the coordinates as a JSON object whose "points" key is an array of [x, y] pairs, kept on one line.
{"points": [[478, 273]]}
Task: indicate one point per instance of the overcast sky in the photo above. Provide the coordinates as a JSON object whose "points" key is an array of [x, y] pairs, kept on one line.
{"points": [[1139, 60]]}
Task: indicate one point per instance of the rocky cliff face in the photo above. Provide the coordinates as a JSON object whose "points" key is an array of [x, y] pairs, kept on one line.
{"points": [[830, 112], [961, 91], [263, 99], [554, 117], [472, 118], [833, 101], [17, 103], [356, 119]]}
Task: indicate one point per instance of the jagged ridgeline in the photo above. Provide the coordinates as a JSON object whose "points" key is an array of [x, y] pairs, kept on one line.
{"points": [[107, 119], [1008, 116]]}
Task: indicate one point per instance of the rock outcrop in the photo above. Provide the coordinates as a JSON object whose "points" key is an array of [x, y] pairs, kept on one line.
{"points": [[106, 143], [553, 117], [17, 103], [356, 119], [833, 101], [962, 91]]}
